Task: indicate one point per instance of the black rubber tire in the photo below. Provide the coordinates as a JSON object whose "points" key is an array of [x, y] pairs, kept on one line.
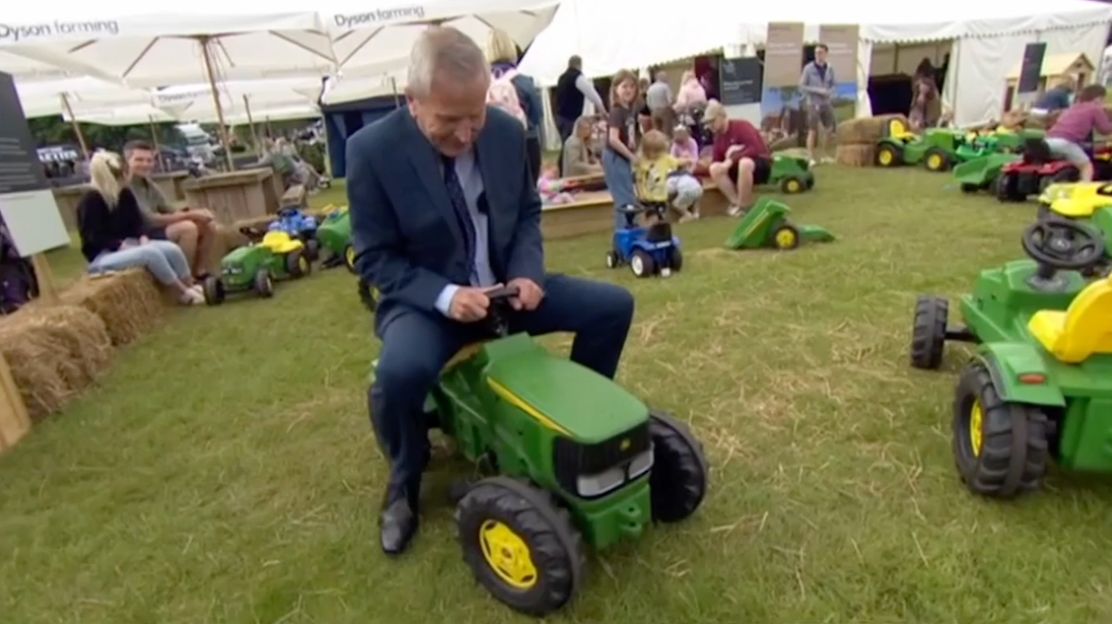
{"points": [[928, 332], [810, 183], [294, 265], [1014, 451], [214, 290], [1004, 188], [677, 259], [312, 249], [367, 295], [648, 267], [264, 285], [947, 162], [967, 187], [678, 481], [795, 237], [555, 546], [612, 260]]}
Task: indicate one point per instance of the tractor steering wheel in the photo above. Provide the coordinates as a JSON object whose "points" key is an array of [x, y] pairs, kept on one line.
{"points": [[497, 321], [1063, 244]]}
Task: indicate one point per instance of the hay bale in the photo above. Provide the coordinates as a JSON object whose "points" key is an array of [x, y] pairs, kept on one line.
{"points": [[856, 155], [867, 130], [53, 352], [129, 303]]}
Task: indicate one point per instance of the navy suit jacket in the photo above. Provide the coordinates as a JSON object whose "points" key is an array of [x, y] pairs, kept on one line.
{"points": [[407, 240]]}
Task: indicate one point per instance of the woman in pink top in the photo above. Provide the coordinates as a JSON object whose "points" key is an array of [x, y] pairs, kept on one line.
{"points": [[692, 95]]}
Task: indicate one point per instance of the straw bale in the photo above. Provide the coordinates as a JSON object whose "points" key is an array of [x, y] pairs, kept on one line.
{"points": [[866, 130], [54, 352], [856, 155], [129, 303]]}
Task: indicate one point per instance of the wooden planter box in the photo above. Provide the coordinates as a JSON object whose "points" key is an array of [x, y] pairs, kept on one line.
{"points": [[232, 197]]}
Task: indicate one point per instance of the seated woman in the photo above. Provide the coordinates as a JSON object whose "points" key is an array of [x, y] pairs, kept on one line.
{"points": [[112, 238], [578, 159]]}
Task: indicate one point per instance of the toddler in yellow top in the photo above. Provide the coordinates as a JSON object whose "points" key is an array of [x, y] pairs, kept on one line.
{"points": [[662, 179]]}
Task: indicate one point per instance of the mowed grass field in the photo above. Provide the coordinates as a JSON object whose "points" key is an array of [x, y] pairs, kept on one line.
{"points": [[224, 470]]}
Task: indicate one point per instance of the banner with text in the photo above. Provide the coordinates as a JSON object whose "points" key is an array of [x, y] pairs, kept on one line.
{"points": [[841, 40], [27, 205], [783, 62]]}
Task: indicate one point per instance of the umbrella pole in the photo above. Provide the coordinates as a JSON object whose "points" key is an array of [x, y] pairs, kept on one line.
{"points": [[154, 139], [251, 124], [76, 127], [216, 101], [394, 87]]}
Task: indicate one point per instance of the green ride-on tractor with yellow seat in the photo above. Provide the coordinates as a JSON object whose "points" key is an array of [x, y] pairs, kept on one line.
{"points": [[334, 234], [1040, 382], [272, 256], [573, 459], [936, 149]]}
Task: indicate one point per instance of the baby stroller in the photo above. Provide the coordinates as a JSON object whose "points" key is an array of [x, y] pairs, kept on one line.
{"points": [[18, 283]]}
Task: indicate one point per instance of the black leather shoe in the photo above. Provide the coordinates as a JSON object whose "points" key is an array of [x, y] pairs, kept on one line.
{"points": [[398, 525]]}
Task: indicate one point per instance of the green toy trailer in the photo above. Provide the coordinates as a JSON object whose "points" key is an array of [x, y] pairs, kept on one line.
{"points": [[573, 459], [1040, 383], [767, 225], [980, 174], [791, 173], [255, 267]]}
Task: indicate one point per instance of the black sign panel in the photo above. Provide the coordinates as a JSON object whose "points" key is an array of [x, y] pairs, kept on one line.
{"points": [[740, 81], [1031, 72], [20, 169]]}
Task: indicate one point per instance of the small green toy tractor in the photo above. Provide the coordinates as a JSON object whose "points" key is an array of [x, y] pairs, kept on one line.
{"points": [[276, 256], [334, 234], [791, 173], [1040, 383], [767, 225], [575, 459], [936, 148]]}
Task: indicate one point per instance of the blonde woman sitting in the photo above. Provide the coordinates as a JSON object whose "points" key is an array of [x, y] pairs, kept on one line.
{"points": [[112, 227]]}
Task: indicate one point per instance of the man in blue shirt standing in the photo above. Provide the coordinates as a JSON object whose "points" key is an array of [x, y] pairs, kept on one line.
{"points": [[444, 207]]}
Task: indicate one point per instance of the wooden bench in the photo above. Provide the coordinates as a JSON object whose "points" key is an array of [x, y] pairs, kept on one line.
{"points": [[295, 197], [593, 212]]}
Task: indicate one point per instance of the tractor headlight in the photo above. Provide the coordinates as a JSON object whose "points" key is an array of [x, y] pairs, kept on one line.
{"points": [[233, 270], [592, 470], [593, 485]]}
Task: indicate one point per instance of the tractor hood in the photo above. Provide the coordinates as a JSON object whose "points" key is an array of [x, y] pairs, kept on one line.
{"points": [[585, 404]]}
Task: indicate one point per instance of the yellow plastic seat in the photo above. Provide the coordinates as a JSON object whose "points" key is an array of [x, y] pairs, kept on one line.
{"points": [[281, 242], [1078, 200], [898, 131], [1084, 329]]}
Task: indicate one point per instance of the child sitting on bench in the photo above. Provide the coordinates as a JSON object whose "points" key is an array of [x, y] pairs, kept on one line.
{"points": [[661, 180]]}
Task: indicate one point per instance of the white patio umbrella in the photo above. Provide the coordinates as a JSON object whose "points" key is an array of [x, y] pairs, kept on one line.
{"points": [[200, 41], [372, 41]]}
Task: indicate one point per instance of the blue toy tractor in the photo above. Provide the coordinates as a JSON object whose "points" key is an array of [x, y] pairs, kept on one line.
{"points": [[647, 250], [298, 225]]}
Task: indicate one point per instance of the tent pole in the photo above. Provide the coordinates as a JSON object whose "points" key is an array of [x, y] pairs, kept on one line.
{"points": [[216, 101], [251, 125], [154, 139], [76, 127]]}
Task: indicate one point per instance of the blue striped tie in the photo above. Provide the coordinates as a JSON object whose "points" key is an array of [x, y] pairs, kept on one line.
{"points": [[463, 215]]}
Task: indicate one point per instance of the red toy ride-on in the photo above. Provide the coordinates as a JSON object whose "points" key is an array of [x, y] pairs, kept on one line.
{"points": [[1039, 169]]}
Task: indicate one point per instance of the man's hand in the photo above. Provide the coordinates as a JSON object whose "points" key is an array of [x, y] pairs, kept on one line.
{"points": [[529, 295], [469, 305], [733, 150], [199, 215]]}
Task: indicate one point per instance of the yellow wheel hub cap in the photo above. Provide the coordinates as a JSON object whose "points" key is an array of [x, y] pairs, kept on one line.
{"points": [[976, 425], [934, 162], [303, 264], [785, 239], [793, 186], [350, 256], [885, 157], [507, 554]]}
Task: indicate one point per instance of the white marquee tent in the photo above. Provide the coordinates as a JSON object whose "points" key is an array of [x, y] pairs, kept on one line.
{"points": [[986, 37]]}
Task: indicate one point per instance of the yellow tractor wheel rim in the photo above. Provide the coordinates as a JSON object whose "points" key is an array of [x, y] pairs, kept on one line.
{"points": [[885, 157], [303, 264], [350, 256], [507, 555], [934, 163], [976, 427], [785, 239], [793, 186]]}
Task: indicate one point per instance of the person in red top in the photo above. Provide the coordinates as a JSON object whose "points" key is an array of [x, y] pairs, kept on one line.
{"points": [[1075, 128], [741, 158]]}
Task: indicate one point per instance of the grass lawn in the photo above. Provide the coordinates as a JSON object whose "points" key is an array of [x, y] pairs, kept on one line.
{"points": [[224, 470]]}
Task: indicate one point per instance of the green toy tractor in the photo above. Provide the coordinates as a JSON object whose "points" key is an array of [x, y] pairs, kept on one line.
{"points": [[791, 173], [574, 458], [936, 148], [767, 225], [334, 234], [1040, 383], [276, 256]]}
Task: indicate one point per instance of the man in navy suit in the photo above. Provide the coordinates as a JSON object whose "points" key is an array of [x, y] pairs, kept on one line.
{"points": [[443, 208]]}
